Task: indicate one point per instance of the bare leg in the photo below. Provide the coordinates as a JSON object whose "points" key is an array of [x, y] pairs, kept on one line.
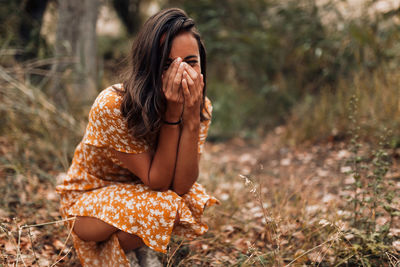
{"points": [[93, 229], [129, 241]]}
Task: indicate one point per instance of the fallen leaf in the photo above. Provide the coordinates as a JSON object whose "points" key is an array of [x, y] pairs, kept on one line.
{"points": [[299, 235], [396, 245]]}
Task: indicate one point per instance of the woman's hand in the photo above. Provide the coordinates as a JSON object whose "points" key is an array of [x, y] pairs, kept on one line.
{"points": [[187, 162], [171, 86], [192, 84]]}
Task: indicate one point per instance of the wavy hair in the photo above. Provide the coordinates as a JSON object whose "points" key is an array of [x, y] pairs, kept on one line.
{"points": [[143, 102]]}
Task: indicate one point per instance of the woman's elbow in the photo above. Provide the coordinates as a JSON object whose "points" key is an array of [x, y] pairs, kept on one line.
{"points": [[183, 188], [179, 190], [158, 188], [158, 184]]}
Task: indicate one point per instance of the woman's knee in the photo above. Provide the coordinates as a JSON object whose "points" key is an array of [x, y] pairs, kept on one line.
{"points": [[92, 229]]}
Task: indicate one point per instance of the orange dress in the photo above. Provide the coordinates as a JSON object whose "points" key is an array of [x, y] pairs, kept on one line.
{"points": [[98, 185]]}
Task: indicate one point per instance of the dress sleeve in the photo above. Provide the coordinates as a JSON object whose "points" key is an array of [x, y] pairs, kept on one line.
{"points": [[204, 125], [107, 127]]}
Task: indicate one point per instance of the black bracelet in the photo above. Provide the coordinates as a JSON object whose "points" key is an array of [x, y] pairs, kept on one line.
{"points": [[173, 123]]}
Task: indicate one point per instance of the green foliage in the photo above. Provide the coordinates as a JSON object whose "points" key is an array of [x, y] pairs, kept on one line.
{"points": [[283, 52], [227, 119], [112, 53], [9, 15], [266, 57], [112, 48], [20, 26]]}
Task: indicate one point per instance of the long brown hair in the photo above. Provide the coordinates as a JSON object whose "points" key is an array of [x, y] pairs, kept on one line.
{"points": [[143, 102]]}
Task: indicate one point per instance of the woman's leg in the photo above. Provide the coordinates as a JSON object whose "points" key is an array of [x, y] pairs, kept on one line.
{"points": [[93, 229], [129, 241]]}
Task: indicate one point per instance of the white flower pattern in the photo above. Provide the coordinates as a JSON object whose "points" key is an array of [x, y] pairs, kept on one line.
{"points": [[98, 185]]}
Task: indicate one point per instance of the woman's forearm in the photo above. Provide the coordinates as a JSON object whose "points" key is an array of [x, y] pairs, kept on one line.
{"points": [[187, 163], [161, 171], [162, 167]]}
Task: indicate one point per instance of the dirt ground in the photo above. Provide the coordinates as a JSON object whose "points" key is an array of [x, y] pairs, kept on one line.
{"points": [[278, 205]]}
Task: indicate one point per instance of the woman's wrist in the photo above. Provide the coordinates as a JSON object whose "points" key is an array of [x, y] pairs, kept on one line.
{"points": [[192, 125], [173, 113], [191, 116], [171, 117], [173, 122]]}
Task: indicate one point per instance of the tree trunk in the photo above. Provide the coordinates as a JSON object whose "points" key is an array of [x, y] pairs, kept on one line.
{"points": [[129, 13], [29, 28], [76, 39]]}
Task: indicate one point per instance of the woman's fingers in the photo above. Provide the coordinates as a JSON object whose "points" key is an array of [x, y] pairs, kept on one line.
{"points": [[181, 76], [172, 84], [197, 79], [178, 78], [165, 76], [170, 73], [185, 87], [193, 74], [191, 84]]}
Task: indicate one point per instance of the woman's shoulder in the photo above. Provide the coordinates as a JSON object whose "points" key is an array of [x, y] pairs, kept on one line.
{"points": [[111, 94], [108, 102]]}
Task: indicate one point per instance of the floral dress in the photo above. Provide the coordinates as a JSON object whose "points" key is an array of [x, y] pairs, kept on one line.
{"points": [[99, 185]]}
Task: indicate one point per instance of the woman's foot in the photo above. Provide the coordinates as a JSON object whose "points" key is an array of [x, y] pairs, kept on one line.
{"points": [[147, 257], [131, 256]]}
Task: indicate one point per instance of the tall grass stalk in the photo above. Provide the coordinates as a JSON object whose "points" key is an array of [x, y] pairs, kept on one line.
{"points": [[372, 195], [31, 120], [356, 159]]}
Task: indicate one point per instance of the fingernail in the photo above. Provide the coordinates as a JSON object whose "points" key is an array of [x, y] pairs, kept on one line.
{"points": [[178, 60]]}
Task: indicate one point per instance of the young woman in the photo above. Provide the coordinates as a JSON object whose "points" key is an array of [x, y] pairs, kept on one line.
{"points": [[132, 181]]}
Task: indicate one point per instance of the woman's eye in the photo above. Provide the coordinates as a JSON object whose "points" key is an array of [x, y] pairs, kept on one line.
{"points": [[192, 62]]}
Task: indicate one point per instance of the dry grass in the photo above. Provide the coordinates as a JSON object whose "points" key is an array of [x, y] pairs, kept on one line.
{"points": [[288, 209], [280, 206], [36, 143], [325, 117], [28, 256]]}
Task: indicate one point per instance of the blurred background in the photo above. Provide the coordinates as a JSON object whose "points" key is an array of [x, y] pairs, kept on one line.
{"points": [[270, 62], [313, 71], [293, 63]]}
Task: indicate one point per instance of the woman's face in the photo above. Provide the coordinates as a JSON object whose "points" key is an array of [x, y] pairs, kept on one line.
{"points": [[185, 46]]}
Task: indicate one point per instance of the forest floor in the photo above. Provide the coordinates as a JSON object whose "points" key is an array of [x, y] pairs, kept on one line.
{"points": [[279, 206]]}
